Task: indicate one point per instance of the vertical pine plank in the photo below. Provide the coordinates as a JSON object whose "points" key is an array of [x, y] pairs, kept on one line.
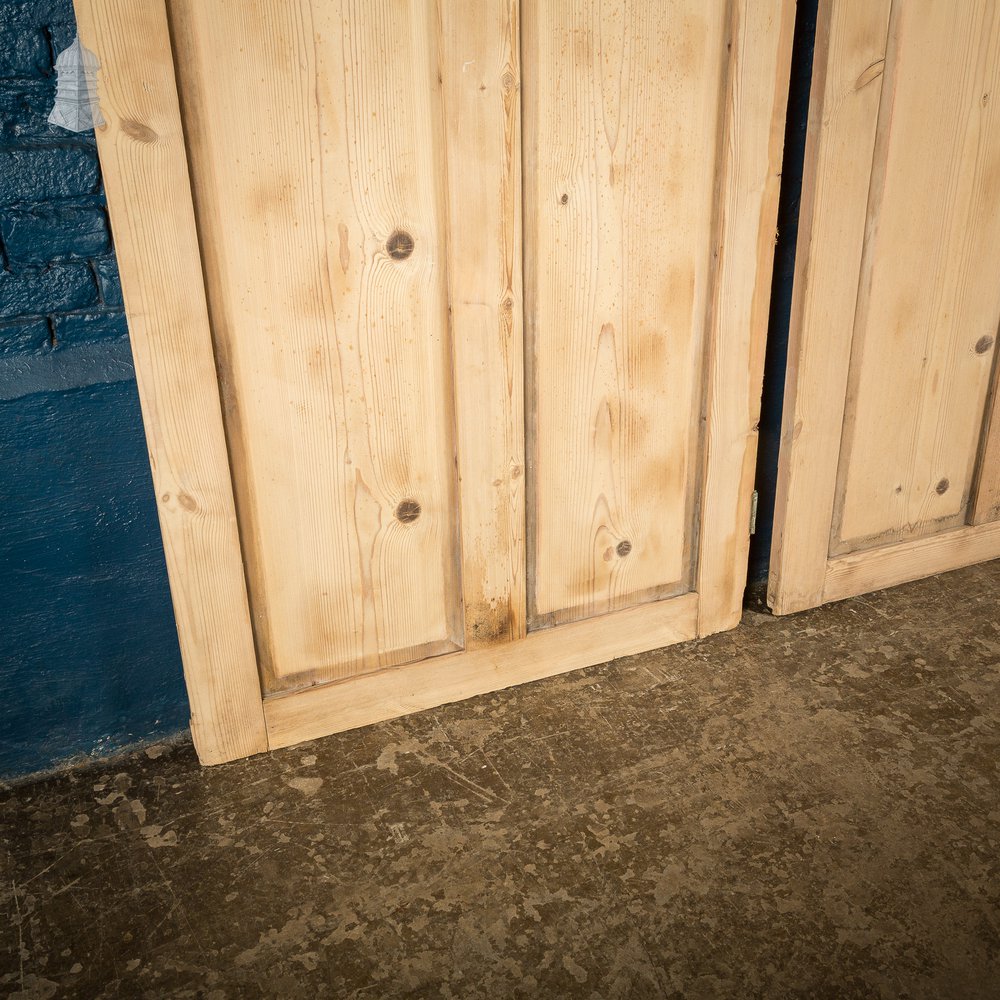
{"points": [[481, 66], [316, 140], [146, 177], [760, 37], [928, 297], [848, 66], [621, 103]]}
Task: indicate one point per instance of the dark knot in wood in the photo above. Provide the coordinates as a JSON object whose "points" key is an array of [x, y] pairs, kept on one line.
{"points": [[407, 511], [399, 245]]}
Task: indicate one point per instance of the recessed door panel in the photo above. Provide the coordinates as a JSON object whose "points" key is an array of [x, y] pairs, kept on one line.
{"points": [[316, 149], [928, 298], [622, 110]]}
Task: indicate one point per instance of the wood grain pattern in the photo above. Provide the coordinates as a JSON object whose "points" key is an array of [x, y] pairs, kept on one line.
{"points": [[872, 569], [481, 65], [759, 38], [146, 178], [848, 65], [332, 708], [912, 316], [927, 296], [316, 145], [621, 102], [355, 174]]}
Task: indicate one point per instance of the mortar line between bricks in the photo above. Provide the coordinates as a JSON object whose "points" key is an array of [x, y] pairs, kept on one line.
{"points": [[97, 281], [50, 42]]}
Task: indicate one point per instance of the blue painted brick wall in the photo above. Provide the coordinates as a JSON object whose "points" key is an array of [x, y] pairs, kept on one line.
{"points": [[88, 653]]}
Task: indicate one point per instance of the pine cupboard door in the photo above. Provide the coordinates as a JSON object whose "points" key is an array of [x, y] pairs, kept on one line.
{"points": [[448, 327], [890, 452]]}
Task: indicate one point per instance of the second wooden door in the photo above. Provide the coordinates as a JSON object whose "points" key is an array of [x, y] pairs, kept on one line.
{"points": [[890, 456]]}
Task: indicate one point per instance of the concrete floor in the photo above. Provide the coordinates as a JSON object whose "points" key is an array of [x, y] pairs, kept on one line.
{"points": [[804, 807]]}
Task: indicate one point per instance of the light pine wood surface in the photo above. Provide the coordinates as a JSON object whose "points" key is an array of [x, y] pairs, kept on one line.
{"points": [[927, 293], [419, 450], [617, 272], [482, 77], [889, 565], [304, 715], [149, 199], [315, 133], [759, 41], [848, 64]]}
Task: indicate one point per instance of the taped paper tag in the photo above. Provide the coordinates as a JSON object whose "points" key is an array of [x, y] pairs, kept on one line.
{"points": [[76, 107]]}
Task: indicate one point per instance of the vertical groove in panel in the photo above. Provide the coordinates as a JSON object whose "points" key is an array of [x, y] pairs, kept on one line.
{"points": [[986, 484]]}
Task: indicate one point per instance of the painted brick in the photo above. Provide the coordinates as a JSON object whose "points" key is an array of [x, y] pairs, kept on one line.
{"points": [[24, 51], [24, 112], [29, 336], [59, 288], [25, 29], [87, 328], [61, 28], [54, 232], [111, 285], [32, 33], [40, 174]]}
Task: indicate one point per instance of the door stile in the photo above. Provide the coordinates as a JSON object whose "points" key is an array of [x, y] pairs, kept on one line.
{"points": [[144, 161], [750, 167]]}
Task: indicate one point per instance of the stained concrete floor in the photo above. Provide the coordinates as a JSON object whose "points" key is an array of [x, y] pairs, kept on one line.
{"points": [[805, 807]]}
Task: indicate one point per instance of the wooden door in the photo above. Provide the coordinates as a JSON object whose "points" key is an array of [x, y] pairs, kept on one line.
{"points": [[448, 324], [890, 452]]}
